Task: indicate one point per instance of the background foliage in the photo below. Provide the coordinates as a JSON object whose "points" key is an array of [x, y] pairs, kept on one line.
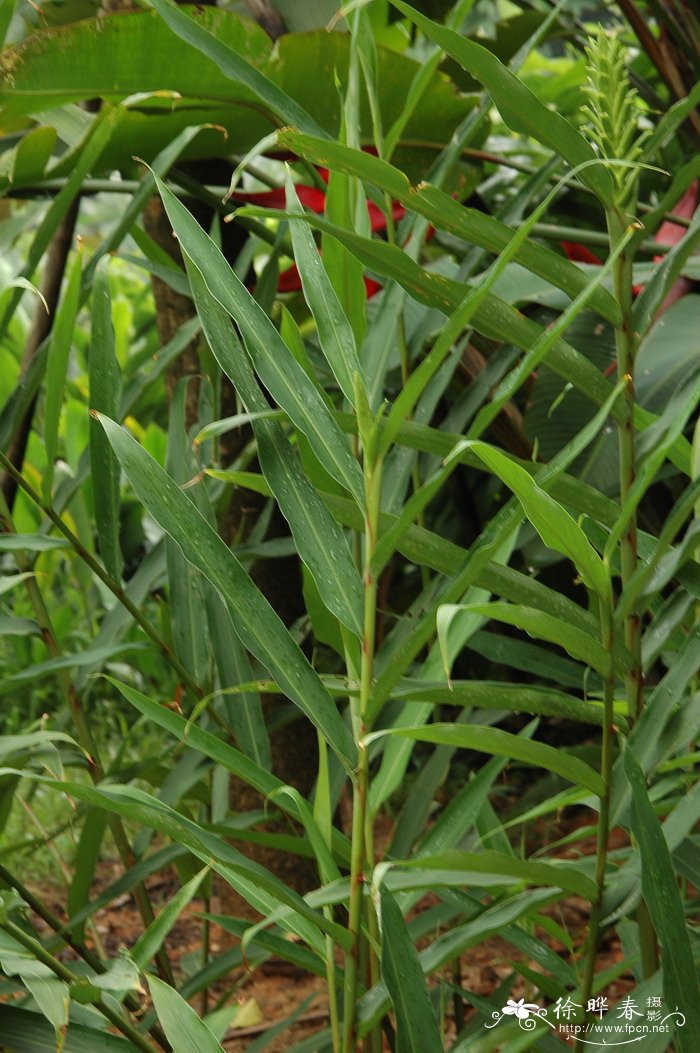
{"points": [[349, 515]]}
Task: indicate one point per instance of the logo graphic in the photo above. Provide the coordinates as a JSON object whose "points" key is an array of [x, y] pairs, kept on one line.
{"points": [[623, 1024]]}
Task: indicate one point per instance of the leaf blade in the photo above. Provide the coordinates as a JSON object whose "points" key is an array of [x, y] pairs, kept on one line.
{"points": [[416, 1026], [259, 627], [502, 743]]}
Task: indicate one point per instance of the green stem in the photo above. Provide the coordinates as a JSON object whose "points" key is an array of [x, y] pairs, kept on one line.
{"points": [[39, 952], [626, 342], [352, 957], [607, 639], [360, 817], [332, 984], [625, 345]]}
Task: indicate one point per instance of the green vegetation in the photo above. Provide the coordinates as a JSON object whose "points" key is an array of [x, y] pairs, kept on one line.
{"points": [[349, 495]]}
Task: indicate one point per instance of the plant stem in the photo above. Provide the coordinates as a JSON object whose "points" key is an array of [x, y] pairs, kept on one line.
{"points": [[39, 952], [626, 341], [625, 345], [607, 639], [360, 819]]}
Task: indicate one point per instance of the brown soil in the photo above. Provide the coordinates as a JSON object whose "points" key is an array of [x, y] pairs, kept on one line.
{"points": [[281, 990]]}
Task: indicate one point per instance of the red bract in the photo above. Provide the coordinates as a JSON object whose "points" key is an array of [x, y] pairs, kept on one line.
{"points": [[669, 233], [314, 199], [579, 253], [290, 281]]}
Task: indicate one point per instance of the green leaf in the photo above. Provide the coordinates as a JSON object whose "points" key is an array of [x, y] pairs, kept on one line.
{"points": [[494, 318], [662, 897], [162, 164], [7, 11], [666, 354], [335, 334], [246, 480], [31, 542], [57, 365], [513, 698], [10, 581], [319, 540], [416, 1026], [150, 942], [234, 66], [530, 871], [552, 522], [255, 883], [503, 744], [244, 710], [542, 626], [521, 110], [91, 656], [84, 864], [105, 395], [278, 369], [460, 814], [49, 993], [222, 753], [139, 53], [445, 214], [665, 274], [410, 635], [260, 629], [185, 585], [183, 1028], [446, 947], [11, 626], [32, 1034]]}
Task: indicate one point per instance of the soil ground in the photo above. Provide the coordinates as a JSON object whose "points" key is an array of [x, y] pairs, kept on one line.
{"points": [[279, 989]]}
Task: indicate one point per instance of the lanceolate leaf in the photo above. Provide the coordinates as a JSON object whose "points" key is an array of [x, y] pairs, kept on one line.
{"points": [[57, 364], [513, 698], [185, 586], [150, 942], [96, 141], [660, 891], [503, 744], [227, 756], [243, 710], [105, 395], [494, 318], [530, 871], [255, 621], [453, 942], [446, 214], [406, 640], [544, 627], [319, 540], [274, 363], [551, 521], [416, 1026], [335, 333], [183, 1028], [258, 885]]}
